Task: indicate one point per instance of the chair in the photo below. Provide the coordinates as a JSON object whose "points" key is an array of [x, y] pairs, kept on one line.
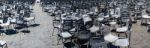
{"points": [[123, 30], [64, 36], [83, 38], [95, 27], [69, 25], [86, 19], [122, 42], [6, 24], [57, 25], [19, 23], [100, 17], [13, 22], [113, 24], [3, 44], [110, 38], [104, 29], [145, 18], [70, 45], [29, 19], [148, 26], [97, 42]]}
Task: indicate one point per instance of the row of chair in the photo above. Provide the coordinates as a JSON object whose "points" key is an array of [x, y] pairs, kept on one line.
{"points": [[85, 27]]}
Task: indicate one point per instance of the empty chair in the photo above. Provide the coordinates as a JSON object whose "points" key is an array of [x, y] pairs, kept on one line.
{"points": [[6, 24], [104, 29], [94, 29], [64, 36], [13, 22], [145, 19], [19, 20], [86, 19], [123, 30], [122, 42], [97, 42], [100, 17], [57, 23], [83, 38], [29, 19], [113, 24], [70, 45], [110, 38], [67, 25], [3, 44]]}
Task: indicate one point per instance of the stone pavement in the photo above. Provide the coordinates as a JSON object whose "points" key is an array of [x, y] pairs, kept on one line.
{"points": [[39, 37]]}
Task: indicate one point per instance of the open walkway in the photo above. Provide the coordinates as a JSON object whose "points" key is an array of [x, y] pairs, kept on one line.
{"points": [[39, 37]]}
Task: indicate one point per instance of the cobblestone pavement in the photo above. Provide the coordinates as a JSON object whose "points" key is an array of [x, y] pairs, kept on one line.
{"points": [[39, 37]]}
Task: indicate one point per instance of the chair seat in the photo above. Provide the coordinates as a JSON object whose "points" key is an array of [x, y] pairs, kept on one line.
{"points": [[73, 29], [112, 11], [29, 18], [148, 23], [116, 16], [65, 34], [90, 12], [1, 20], [122, 42], [112, 23], [122, 29], [59, 26], [107, 16], [0, 12], [50, 11], [87, 19], [5, 24], [145, 16], [13, 20], [2, 42], [94, 29], [110, 38], [57, 18], [19, 22], [100, 19]]}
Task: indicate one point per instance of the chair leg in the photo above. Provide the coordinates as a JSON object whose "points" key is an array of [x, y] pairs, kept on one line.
{"points": [[2, 46], [34, 21], [126, 34], [53, 31], [58, 38], [6, 46], [63, 46], [0, 34]]}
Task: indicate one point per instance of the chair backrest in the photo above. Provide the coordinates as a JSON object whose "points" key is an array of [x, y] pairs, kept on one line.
{"points": [[67, 22], [85, 32]]}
